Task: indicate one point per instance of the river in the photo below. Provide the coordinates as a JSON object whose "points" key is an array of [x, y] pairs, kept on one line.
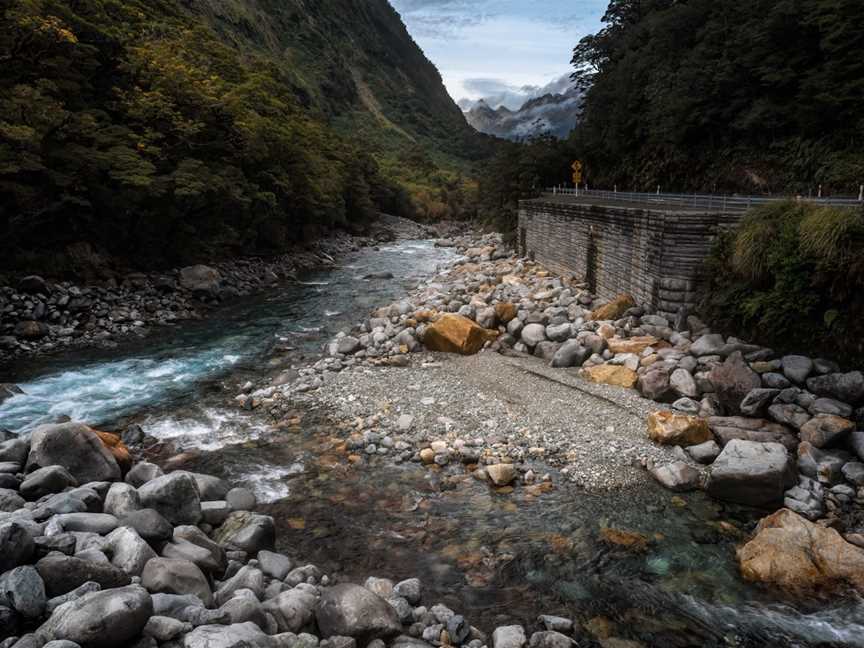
{"points": [[496, 557]]}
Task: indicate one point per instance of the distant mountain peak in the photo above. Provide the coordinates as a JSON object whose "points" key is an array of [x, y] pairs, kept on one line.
{"points": [[553, 113]]}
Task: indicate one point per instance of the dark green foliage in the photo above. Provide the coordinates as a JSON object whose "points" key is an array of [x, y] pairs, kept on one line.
{"points": [[762, 95], [791, 276], [165, 130], [519, 171]]}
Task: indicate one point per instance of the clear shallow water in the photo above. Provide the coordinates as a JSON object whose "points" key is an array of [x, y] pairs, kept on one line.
{"points": [[170, 365], [494, 556]]}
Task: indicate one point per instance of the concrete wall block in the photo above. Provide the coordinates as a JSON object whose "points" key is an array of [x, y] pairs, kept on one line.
{"points": [[656, 256]]}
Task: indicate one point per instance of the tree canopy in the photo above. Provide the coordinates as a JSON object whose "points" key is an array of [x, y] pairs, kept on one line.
{"points": [[725, 95], [159, 131]]}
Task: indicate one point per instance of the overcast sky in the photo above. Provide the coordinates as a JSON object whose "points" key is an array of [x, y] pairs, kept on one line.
{"points": [[496, 47]]}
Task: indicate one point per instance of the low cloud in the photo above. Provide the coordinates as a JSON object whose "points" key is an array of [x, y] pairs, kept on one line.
{"points": [[497, 92]]}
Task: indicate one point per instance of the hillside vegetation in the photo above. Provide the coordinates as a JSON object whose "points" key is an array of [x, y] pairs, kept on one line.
{"points": [[790, 275], [725, 95], [165, 130]]}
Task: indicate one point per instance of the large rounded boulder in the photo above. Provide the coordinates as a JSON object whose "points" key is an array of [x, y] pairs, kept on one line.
{"points": [[75, 447], [457, 334], [352, 611], [798, 556], [107, 619], [175, 496]]}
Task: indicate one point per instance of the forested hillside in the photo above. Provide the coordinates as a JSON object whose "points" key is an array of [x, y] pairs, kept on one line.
{"points": [[165, 130], [762, 95]]}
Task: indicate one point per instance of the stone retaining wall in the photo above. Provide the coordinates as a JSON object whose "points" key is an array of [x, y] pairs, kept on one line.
{"points": [[654, 255]]}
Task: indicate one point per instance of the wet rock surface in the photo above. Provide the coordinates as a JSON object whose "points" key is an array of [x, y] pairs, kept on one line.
{"points": [[507, 421]]}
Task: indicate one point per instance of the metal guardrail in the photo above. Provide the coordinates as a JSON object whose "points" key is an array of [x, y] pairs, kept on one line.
{"points": [[707, 202]]}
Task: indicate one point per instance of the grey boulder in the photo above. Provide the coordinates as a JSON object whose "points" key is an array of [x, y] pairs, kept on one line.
{"points": [[62, 574], [128, 550], [751, 473], [121, 500], [173, 576], [24, 590], [175, 496], [241, 499], [733, 380], [533, 334], [99, 523], [107, 619], [704, 453], [75, 447], [210, 487], [10, 500], [508, 637], [274, 565], [796, 368], [237, 635], [570, 354], [848, 387], [292, 609], [410, 589], [143, 472], [47, 480], [149, 524], [757, 401], [201, 279], [244, 606], [17, 543], [248, 577], [247, 532], [352, 611], [677, 477], [164, 629], [707, 345]]}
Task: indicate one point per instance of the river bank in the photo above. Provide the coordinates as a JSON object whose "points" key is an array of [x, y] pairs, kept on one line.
{"points": [[582, 531], [39, 316]]}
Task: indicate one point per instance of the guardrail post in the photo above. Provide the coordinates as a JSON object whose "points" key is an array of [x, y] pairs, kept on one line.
{"points": [[861, 193]]}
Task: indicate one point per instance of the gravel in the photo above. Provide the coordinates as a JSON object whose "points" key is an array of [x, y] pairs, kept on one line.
{"points": [[512, 406]]}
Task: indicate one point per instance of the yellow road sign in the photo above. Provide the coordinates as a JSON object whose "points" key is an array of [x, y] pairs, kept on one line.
{"points": [[577, 172]]}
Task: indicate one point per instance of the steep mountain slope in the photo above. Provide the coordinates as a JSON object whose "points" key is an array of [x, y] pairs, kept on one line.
{"points": [[162, 130], [349, 57], [554, 114]]}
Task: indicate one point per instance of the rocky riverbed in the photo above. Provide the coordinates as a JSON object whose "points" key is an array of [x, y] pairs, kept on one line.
{"points": [[735, 419], [101, 551], [510, 486], [38, 315]]}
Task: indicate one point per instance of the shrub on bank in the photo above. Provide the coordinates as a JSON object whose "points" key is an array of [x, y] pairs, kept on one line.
{"points": [[791, 276]]}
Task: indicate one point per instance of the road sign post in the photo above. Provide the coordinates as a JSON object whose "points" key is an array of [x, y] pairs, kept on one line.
{"points": [[577, 174]]}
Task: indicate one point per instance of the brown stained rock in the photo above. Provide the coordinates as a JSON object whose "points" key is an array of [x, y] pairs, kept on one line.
{"points": [[611, 375], [667, 428], [117, 448], [457, 334], [627, 539], [800, 557], [501, 474], [505, 311], [826, 429], [632, 345], [615, 309]]}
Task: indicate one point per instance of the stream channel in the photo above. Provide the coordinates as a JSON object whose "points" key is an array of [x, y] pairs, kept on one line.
{"points": [[496, 557]]}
